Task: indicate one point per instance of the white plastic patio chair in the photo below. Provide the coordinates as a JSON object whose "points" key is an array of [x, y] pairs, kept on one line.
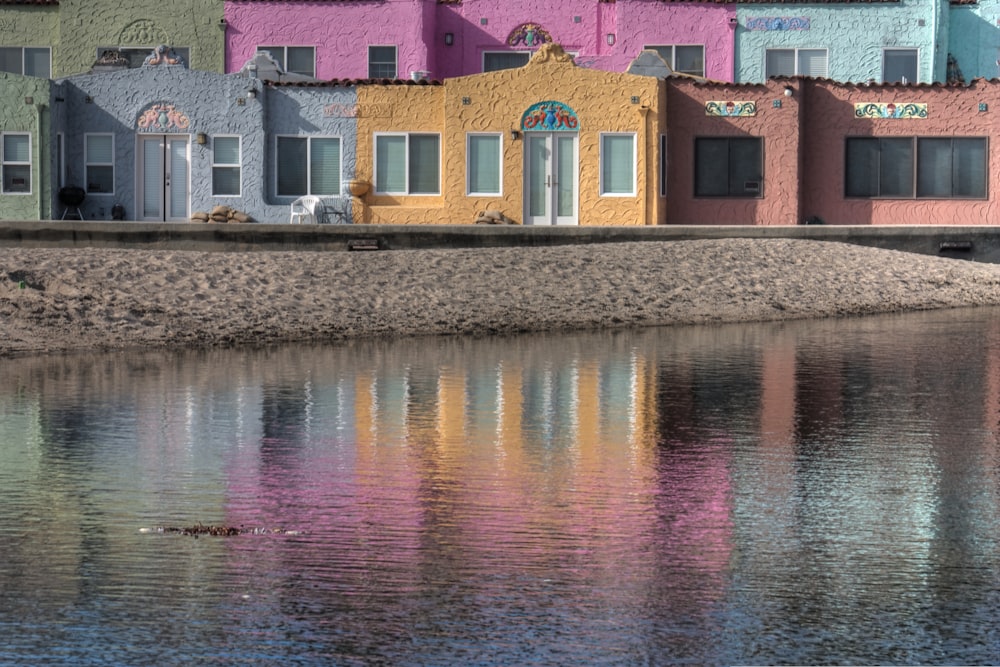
{"points": [[304, 210]]}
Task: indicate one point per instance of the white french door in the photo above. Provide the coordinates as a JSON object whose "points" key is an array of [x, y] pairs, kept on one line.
{"points": [[163, 190], [551, 178]]}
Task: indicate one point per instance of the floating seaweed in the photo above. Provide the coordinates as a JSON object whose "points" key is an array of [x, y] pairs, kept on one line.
{"points": [[218, 531]]}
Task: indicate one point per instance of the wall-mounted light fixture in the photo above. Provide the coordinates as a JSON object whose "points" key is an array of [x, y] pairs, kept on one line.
{"points": [[611, 39], [449, 38], [252, 91], [733, 21], [222, 23], [789, 91], [29, 100], [201, 138], [515, 135]]}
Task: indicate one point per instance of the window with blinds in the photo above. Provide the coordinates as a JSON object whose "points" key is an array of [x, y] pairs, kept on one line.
{"points": [[728, 167], [483, 164], [293, 59], [382, 62], [408, 164], [226, 167], [796, 62], [497, 60], [99, 155], [308, 166], [684, 58], [27, 60], [916, 167], [16, 163], [617, 164]]}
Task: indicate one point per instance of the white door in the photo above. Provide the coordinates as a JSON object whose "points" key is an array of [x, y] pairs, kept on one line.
{"points": [[551, 178], [163, 189]]}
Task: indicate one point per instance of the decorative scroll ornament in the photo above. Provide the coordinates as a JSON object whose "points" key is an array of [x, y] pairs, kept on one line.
{"points": [[550, 117], [162, 118], [778, 23], [890, 110], [162, 55], [731, 109], [142, 32], [530, 35]]}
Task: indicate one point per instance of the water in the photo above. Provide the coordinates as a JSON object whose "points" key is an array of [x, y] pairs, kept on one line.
{"points": [[807, 493]]}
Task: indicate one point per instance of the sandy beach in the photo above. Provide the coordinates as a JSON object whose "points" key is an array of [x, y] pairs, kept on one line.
{"points": [[54, 300]]}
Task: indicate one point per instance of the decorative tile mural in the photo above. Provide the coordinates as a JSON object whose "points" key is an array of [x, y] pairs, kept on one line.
{"points": [[528, 34], [778, 23], [890, 110], [550, 116], [731, 109]]}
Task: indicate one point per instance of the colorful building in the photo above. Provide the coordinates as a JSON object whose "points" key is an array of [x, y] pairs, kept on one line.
{"points": [[548, 143], [58, 38], [803, 150], [850, 40], [743, 41], [163, 142]]}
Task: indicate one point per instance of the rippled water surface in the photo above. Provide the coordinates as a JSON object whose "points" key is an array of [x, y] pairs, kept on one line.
{"points": [[814, 492]]}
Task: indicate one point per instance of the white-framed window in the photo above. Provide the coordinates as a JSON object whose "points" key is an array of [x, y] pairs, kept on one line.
{"points": [[483, 164], [16, 163], [382, 62], [27, 60], [136, 55], [617, 165], [497, 60], [293, 59], [99, 155], [796, 62], [899, 65], [226, 166], [408, 164], [308, 166], [684, 58], [728, 167], [916, 167]]}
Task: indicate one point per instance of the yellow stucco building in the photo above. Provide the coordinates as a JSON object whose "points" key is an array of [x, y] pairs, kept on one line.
{"points": [[548, 143]]}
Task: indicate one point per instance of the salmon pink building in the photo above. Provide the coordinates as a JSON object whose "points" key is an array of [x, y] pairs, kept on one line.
{"points": [[796, 151]]}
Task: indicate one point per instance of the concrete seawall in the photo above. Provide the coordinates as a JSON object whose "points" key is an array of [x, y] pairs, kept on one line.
{"points": [[978, 243]]}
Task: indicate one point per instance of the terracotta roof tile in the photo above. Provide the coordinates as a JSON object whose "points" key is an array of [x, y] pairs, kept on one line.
{"points": [[343, 83]]}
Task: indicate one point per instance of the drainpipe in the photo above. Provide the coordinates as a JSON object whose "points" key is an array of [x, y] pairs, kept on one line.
{"points": [[41, 157], [644, 115]]}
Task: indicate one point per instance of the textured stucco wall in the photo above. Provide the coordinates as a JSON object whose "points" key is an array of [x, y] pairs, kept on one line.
{"points": [[951, 112], [16, 115], [328, 111], [634, 25], [208, 99], [27, 25], [496, 102], [340, 31], [687, 120], [398, 108], [854, 35], [975, 38], [85, 25]]}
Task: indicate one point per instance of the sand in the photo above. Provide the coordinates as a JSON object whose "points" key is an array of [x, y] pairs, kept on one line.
{"points": [[56, 300]]}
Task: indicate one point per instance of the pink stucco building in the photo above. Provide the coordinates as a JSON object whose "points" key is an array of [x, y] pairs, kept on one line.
{"points": [[362, 39]]}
